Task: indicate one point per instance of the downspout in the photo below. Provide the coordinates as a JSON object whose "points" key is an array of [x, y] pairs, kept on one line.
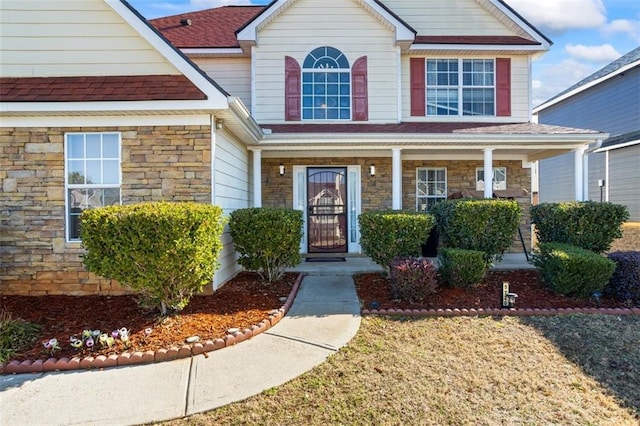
{"points": [[585, 169]]}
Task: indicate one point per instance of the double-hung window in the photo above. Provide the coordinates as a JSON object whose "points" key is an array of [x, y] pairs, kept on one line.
{"points": [[326, 85], [92, 175], [459, 87], [431, 187]]}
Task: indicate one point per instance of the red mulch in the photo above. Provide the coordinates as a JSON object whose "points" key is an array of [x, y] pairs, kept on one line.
{"points": [[525, 283], [241, 303]]}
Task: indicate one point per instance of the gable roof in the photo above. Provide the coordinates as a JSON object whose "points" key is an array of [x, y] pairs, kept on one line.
{"points": [[229, 27], [620, 65], [37, 94], [210, 28]]}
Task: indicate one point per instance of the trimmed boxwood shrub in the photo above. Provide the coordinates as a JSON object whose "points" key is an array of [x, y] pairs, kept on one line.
{"points": [[484, 225], [412, 279], [624, 285], [462, 268], [586, 224], [165, 252], [571, 270], [389, 234], [267, 239]]}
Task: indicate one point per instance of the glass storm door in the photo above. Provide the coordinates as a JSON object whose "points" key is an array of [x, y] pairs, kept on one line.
{"points": [[327, 209]]}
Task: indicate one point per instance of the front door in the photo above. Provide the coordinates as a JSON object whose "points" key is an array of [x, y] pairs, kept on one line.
{"points": [[327, 209]]}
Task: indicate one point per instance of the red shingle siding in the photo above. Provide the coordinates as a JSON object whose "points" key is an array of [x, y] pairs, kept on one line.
{"points": [[95, 89], [211, 28]]}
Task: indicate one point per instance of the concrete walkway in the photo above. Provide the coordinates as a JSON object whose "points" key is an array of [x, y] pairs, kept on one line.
{"points": [[324, 317]]}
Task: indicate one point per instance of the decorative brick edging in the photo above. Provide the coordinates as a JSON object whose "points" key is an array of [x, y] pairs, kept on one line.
{"points": [[502, 312], [130, 358]]}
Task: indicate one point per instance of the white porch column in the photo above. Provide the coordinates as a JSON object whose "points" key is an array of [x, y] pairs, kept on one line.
{"points": [[578, 172], [257, 178], [396, 179], [488, 172]]}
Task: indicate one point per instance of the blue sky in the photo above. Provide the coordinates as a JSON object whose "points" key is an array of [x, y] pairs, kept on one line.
{"points": [[587, 34]]}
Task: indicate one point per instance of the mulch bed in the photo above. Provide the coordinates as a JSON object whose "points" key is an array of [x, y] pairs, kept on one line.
{"points": [[374, 291], [241, 303]]}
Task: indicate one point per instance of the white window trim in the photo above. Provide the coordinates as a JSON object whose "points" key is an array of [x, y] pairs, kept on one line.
{"points": [[497, 186], [460, 87], [326, 70], [67, 186], [427, 197]]}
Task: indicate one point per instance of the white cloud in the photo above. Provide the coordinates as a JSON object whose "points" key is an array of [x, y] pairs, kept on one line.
{"points": [[625, 26], [598, 54], [560, 15], [555, 78]]}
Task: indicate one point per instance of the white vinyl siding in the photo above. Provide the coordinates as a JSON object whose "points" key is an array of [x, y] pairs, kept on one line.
{"points": [[519, 92], [451, 17], [72, 38], [337, 23], [232, 74], [231, 192]]}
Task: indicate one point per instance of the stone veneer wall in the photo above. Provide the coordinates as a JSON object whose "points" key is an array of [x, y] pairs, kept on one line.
{"points": [[158, 163], [277, 191]]}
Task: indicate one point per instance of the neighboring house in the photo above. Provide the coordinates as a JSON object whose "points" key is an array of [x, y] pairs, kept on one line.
{"points": [[608, 100], [351, 105]]}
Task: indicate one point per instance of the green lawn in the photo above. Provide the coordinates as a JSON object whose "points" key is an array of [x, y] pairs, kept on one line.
{"points": [[578, 370]]}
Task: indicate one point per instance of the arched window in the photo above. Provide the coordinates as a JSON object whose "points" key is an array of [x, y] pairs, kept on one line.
{"points": [[326, 85]]}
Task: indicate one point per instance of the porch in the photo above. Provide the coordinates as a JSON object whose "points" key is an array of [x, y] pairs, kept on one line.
{"points": [[355, 264]]}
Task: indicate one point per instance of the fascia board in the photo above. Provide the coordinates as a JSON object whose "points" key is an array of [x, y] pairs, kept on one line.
{"points": [[60, 107], [618, 146], [249, 33], [477, 47], [216, 97], [586, 86], [448, 138], [534, 33], [213, 52]]}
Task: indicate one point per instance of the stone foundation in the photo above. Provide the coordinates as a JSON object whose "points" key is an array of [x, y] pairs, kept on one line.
{"points": [[158, 163]]}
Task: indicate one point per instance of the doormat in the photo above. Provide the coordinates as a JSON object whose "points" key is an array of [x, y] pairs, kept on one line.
{"points": [[326, 259]]}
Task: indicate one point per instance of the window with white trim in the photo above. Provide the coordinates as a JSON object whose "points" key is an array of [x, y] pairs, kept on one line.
{"points": [[92, 175], [326, 85], [431, 187], [460, 87], [499, 178]]}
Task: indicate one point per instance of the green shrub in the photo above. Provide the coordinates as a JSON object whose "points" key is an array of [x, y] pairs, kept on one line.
{"points": [[412, 279], [165, 252], [484, 225], [462, 268], [586, 224], [386, 235], [267, 239], [16, 335], [571, 270], [624, 284]]}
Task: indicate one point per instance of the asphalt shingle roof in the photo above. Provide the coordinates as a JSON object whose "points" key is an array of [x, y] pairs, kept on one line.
{"points": [[107, 88]]}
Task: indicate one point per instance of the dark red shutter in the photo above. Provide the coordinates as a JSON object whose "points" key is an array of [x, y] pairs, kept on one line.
{"points": [[359, 90], [417, 77], [292, 88], [503, 87]]}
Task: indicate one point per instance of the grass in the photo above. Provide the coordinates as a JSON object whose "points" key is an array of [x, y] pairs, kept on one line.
{"points": [[630, 238], [531, 371], [15, 335]]}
